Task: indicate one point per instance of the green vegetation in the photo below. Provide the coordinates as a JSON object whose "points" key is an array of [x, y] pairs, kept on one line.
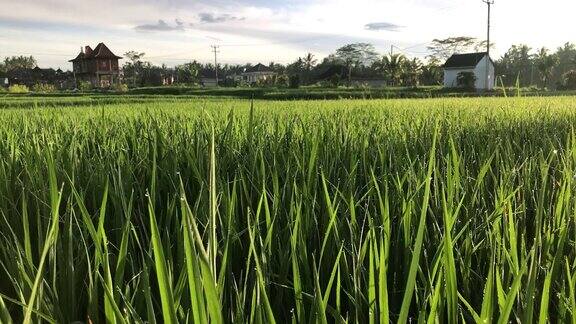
{"points": [[441, 210], [44, 88], [176, 93], [18, 89]]}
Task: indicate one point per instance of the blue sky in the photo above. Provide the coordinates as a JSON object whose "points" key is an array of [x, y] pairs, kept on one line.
{"points": [[176, 31]]}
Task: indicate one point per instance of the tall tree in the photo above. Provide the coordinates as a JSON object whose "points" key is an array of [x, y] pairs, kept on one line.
{"points": [[19, 62], [134, 68], [187, 73], [411, 71], [442, 49], [481, 46], [566, 56], [517, 64], [431, 72], [355, 55], [309, 62], [391, 67], [545, 64], [296, 68]]}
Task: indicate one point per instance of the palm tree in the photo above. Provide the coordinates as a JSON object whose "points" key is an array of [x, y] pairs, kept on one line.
{"points": [[545, 64], [391, 67], [411, 71], [309, 62]]}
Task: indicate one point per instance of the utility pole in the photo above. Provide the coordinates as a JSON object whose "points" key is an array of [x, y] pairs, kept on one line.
{"points": [[489, 3], [215, 49]]}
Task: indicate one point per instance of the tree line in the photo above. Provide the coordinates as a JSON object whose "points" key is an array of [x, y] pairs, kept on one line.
{"points": [[359, 62]]}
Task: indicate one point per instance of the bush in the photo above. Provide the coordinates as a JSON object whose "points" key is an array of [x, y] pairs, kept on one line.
{"points": [[44, 88], [335, 80], [282, 81], [230, 83], [294, 81], [121, 87], [266, 82], [569, 79], [18, 88], [85, 86], [466, 80]]}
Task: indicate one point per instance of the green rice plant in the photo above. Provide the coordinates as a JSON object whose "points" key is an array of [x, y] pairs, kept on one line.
{"points": [[150, 209]]}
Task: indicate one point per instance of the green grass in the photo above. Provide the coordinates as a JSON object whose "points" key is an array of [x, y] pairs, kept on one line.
{"points": [[183, 93], [204, 210]]}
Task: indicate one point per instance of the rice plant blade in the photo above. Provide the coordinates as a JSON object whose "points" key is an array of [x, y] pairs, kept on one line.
{"points": [[165, 288], [510, 298], [4, 313], [414, 263], [51, 237]]}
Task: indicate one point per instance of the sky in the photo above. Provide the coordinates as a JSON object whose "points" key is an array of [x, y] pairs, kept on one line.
{"points": [[252, 31]]}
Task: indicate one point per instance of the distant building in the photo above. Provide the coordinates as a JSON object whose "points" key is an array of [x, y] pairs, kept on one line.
{"points": [[472, 62], [258, 72], [98, 66], [30, 77]]}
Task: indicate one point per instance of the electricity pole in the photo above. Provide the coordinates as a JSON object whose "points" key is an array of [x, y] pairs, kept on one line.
{"points": [[216, 51], [489, 3]]}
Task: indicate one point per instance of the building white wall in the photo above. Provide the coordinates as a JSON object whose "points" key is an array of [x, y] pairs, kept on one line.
{"points": [[253, 77], [451, 75], [480, 72]]}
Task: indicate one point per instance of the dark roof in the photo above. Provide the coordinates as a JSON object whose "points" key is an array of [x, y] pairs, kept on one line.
{"points": [[88, 50], [258, 68], [78, 57], [101, 51], [464, 60]]}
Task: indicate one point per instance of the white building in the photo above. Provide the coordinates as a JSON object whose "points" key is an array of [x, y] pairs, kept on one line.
{"points": [[258, 72], [472, 62]]}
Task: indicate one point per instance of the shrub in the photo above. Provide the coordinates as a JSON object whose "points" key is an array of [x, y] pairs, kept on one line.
{"points": [[85, 86], [266, 82], [18, 88], [466, 80], [335, 80], [282, 81], [44, 88], [294, 81], [229, 82], [121, 87], [569, 79]]}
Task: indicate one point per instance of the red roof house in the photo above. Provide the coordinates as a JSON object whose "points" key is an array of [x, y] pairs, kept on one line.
{"points": [[99, 66]]}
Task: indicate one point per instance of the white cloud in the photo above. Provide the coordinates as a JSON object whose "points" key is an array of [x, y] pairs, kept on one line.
{"points": [[270, 30]]}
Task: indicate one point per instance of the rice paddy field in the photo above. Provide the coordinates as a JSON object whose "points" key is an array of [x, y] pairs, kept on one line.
{"points": [[348, 211]]}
